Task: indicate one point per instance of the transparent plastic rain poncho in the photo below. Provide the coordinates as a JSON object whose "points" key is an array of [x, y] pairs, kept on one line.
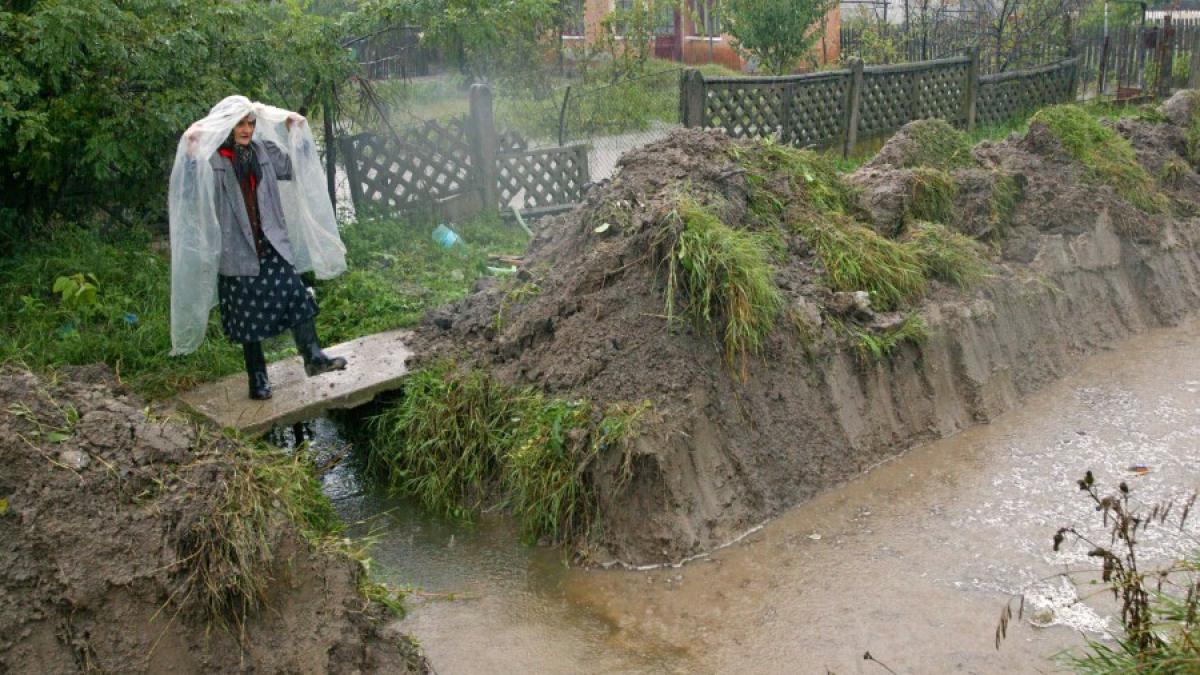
{"points": [[196, 234]]}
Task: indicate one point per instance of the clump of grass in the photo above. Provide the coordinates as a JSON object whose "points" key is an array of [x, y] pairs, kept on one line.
{"points": [[1108, 157], [946, 255], [515, 296], [459, 440], [439, 442], [938, 145], [810, 177], [1173, 170], [870, 346], [856, 258], [933, 193], [1006, 193], [724, 275], [228, 555]]}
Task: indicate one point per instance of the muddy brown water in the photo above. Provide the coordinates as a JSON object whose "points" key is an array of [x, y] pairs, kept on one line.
{"points": [[912, 560]]}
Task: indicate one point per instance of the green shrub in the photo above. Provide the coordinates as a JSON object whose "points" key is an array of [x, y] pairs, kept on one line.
{"points": [[1107, 156], [724, 275]]}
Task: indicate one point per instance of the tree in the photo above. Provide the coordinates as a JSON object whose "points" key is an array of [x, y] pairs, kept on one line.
{"points": [[94, 94], [777, 32]]}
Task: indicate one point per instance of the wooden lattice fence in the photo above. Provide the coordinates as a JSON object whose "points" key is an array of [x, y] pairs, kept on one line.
{"points": [[460, 167], [1004, 96], [840, 107]]}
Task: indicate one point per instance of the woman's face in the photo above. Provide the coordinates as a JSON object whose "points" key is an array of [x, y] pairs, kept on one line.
{"points": [[243, 131]]}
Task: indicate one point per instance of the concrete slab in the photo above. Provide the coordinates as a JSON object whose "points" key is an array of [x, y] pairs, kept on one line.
{"points": [[375, 364]]}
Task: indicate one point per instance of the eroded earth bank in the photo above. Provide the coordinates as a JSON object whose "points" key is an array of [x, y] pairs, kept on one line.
{"points": [[929, 291], [137, 545]]}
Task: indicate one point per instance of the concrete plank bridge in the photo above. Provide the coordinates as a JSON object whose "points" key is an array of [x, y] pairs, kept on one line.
{"points": [[376, 364]]}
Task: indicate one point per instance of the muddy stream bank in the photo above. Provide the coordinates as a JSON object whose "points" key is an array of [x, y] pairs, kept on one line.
{"points": [[911, 561]]}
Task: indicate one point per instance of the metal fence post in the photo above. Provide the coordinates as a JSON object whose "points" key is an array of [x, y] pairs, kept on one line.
{"points": [[484, 146], [854, 96], [691, 98], [971, 90]]}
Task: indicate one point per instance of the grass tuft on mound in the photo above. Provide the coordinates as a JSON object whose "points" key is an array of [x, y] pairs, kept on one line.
{"points": [[809, 175], [227, 557], [937, 145], [460, 440], [856, 258], [1108, 157], [933, 193], [947, 255], [724, 276]]}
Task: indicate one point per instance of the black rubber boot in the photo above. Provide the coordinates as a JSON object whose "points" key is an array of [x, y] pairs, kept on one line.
{"points": [[256, 371], [315, 360]]}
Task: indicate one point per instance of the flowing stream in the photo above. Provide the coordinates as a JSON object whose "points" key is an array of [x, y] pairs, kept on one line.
{"points": [[912, 561]]}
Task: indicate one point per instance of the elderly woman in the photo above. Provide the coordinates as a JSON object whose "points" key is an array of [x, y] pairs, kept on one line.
{"points": [[232, 224]]}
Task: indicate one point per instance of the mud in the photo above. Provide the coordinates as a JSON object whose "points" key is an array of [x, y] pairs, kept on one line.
{"points": [[97, 504], [1077, 269]]}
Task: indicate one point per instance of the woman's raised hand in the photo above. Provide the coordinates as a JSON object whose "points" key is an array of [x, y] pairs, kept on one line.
{"points": [[294, 118]]}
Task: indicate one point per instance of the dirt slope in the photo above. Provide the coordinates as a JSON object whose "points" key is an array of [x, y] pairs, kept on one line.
{"points": [[99, 508], [1076, 268]]}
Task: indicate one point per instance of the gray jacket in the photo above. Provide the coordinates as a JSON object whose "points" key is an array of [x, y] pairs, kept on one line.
{"points": [[238, 255]]}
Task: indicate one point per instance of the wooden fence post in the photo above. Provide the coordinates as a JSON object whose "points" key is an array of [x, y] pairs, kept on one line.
{"points": [[1194, 63], [330, 150], [1100, 78], [1166, 53], [971, 90], [483, 146], [691, 98], [854, 101]]}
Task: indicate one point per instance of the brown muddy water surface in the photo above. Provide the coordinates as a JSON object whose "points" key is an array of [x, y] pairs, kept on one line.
{"points": [[911, 561]]}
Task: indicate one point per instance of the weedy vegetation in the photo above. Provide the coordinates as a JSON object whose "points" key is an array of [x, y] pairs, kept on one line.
{"points": [[933, 193], [228, 555], [1160, 607], [946, 255], [724, 276], [1107, 156], [872, 346], [938, 145], [460, 441]]}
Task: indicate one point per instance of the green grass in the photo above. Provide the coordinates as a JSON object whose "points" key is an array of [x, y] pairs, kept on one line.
{"points": [[1107, 156], [856, 258], [947, 255], [938, 145], [396, 274], [460, 440], [229, 554], [724, 276], [933, 193], [870, 346], [1006, 194], [813, 177]]}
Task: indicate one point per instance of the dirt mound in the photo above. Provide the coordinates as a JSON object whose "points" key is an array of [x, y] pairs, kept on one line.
{"points": [[109, 560], [1181, 108], [836, 387]]}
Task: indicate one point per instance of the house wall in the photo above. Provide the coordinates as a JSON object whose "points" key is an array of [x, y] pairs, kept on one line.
{"points": [[697, 49]]}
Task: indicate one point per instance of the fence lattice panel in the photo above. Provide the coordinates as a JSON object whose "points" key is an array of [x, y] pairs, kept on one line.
{"points": [[1006, 95], [542, 180], [886, 103], [818, 111], [940, 92], [422, 166], [745, 110]]}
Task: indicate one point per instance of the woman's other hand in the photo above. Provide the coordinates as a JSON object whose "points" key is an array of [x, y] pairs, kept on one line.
{"points": [[293, 119]]}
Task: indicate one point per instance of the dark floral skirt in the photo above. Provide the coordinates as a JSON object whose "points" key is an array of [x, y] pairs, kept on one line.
{"points": [[256, 308]]}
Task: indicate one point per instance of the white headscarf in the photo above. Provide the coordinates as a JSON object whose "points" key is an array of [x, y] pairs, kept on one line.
{"points": [[195, 233]]}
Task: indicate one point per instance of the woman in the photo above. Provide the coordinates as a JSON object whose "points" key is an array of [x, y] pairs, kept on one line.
{"points": [[236, 227]]}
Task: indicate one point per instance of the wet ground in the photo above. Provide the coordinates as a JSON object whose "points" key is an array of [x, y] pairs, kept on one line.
{"points": [[911, 561]]}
